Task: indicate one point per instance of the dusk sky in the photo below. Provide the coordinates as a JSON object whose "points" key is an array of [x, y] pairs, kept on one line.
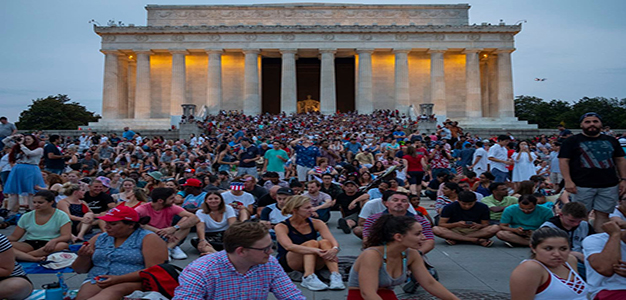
{"points": [[49, 48]]}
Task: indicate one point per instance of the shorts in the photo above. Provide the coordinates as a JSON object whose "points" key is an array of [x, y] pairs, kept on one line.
{"points": [[354, 217], [416, 177], [600, 199], [303, 172], [463, 230], [36, 244], [283, 263], [18, 276]]}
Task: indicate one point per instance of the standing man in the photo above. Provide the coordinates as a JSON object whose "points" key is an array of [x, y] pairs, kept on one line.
{"points": [[248, 155], [6, 129], [275, 160], [306, 156], [555, 169], [53, 158], [499, 160], [590, 163], [243, 270]]}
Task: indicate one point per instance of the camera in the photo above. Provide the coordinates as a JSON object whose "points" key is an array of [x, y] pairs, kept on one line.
{"points": [[17, 139]]}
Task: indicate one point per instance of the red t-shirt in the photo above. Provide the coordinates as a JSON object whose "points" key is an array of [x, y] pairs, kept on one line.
{"points": [[415, 163], [159, 219]]}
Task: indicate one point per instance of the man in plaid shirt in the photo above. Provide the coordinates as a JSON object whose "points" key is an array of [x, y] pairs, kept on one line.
{"points": [[243, 270]]}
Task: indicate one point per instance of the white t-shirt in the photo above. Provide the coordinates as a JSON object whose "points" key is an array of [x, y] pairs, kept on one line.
{"points": [[594, 244], [211, 225], [482, 163], [498, 152], [375, 206], [245, 199], [617, 213]]}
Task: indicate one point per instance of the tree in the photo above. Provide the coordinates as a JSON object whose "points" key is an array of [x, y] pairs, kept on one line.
{"points": [[54, 113], [537, 111]]}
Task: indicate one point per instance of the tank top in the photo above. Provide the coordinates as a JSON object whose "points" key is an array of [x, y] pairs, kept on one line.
{"points": [[571, 288], [77, 210], [226, 158], [296, 237], [385, 281]]}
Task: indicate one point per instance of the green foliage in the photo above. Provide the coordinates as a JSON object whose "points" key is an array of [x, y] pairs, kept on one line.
{"points": [[550, 114], [54, 113]]}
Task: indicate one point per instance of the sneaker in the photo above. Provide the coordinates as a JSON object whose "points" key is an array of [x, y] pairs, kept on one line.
{"points": [[177, 253], [509, 245], [336, 282], [313, 283], [343, 224]]}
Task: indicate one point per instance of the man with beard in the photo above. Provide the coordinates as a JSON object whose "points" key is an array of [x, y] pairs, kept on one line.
{"points": [[589, 163], [161, 212]]}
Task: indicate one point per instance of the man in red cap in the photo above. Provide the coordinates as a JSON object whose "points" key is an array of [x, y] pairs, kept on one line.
{"points": [[195, 195], [161, 212]]}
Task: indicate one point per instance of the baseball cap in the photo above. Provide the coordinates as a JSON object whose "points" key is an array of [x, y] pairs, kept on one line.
{"points": [[285, 191], [590, 114], [193, 182], [350, 182], [105, 181], [189, 170], [156, 175], [120, 213]]}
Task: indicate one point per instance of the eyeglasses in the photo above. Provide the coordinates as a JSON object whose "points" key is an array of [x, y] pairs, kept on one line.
{"points": [[266, 250]]}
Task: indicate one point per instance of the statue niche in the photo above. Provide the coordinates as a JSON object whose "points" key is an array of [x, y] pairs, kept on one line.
{"points": [[308, 105]]}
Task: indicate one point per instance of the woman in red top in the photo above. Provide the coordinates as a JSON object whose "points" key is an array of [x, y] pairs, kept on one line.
{"points": [[414, 166]]}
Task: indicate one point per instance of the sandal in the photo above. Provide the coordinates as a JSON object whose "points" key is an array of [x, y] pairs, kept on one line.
{"points": [[451, 242], [484, 242]]}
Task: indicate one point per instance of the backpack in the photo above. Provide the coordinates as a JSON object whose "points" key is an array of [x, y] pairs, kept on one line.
{"points": [[161, 278]]}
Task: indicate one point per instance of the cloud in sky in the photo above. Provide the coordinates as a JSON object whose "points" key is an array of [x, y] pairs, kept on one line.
{"points": [[50, 48]]}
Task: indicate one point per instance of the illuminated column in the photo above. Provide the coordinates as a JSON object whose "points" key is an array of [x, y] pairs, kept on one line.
{"points": [[122, 87], [288, 86], [214, 78], [364, 102], [402, 79], [178, 82], [142, 85], [473, 104], [328, 95], [110, 92], [437, 81], [252, 100], [506, 105]]}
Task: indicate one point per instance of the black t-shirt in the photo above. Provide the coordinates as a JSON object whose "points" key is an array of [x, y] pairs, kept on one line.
{"points": [[248, 153], [344, 201], [592, 160], [434, 184], [455, 213], [266, 200], [53, 163], [98, 203]]}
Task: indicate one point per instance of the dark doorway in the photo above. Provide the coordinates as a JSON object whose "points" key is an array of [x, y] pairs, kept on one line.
{"points": [[271, 69], [345, 81], [308, 74]]}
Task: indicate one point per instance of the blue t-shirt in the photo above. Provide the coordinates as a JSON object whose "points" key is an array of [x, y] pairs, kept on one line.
{"points": [[399, 133], [354, 148], [306, 156], [515, 217], [192, 201]]}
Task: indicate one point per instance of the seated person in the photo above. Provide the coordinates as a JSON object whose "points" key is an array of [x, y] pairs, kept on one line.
{"points": [[161, 212], [433, 185], [79, 212], [498, 201], [520, 220], [114, 258], [605, 261], [267, 199], [272, 214], [350, 203], [14, 284], [619, 214], [397, 204], [371, 207], [321, 201], [299, 249], [466, 220], [465, 185], [194, 195], [241, 201], [215, 217], [415, 201], [45, 230], [571, 219], [135, 198], [450, 194], [377, 193]]}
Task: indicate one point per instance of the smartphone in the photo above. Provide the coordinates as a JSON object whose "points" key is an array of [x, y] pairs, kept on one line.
{"points": [[469, 222]]}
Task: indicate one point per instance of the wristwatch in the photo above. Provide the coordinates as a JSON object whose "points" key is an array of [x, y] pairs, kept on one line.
{"points": [[337, 247], [177, 227]]}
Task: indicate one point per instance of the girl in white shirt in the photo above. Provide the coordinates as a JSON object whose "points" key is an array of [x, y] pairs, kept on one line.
{"points": [[215, 217]]}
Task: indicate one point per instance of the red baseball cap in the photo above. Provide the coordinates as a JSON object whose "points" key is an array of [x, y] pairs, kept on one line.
{"points": [[120, 213], [193, 182]]}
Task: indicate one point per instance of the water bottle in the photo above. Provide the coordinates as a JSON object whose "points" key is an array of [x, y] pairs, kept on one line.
{"points": [[53, 291], [62, 283]]}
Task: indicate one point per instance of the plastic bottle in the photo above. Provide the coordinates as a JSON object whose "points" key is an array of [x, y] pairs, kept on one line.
{"points": [[62, 283]]}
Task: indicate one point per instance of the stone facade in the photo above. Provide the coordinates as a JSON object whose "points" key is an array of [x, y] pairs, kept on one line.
{"points": [[210, 56]]}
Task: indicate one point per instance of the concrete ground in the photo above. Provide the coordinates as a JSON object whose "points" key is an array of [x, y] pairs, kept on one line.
{"points": [[469, 271]]}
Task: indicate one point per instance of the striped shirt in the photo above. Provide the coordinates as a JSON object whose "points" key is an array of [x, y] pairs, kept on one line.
{"points": [[426, 228], [214, 277], [6, 245]]}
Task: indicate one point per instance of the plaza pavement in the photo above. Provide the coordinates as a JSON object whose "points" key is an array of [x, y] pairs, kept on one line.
{"points": [[469, 271]]}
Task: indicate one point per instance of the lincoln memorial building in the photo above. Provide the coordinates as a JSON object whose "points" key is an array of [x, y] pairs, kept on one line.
{"points": [[290, 58]]}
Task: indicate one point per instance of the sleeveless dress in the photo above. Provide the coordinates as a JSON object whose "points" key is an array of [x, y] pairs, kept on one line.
{"points": [[571, 288]]}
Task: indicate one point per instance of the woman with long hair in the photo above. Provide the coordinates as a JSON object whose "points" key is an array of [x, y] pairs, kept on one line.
{"points": [[551, 272], [524, 163], [225, 159], [215, 217], [482, 185], [128, 185], [25, 176], [135, 198], [388, 254], [79, 212]]}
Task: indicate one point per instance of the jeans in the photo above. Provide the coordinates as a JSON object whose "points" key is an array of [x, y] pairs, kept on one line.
{"points": [[500, 175]]}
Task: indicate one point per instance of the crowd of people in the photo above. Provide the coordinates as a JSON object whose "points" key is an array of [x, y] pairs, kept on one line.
{"points": [[247, 183]]}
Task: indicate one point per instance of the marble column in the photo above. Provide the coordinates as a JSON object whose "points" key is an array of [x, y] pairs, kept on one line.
{"points": [[122, 87], [328, 89], [288, 84], [177, 97], [506, 106], [402, 79], [252, 99], [473, 104], [110, 92], [132, 83], [142, 85], [437, 81], [214, 81], [364, 101]]}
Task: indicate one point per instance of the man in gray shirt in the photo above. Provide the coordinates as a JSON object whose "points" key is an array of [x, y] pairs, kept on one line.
{"points": [[6, 129]]}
